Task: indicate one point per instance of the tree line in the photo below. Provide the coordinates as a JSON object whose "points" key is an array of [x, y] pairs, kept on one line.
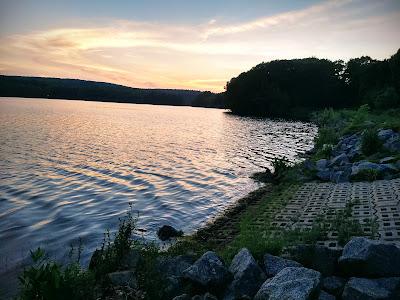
{"points": [[293, 88]]}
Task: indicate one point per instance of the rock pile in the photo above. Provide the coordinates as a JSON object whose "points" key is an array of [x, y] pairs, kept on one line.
{"points": [[344, 164], [365, 269]]}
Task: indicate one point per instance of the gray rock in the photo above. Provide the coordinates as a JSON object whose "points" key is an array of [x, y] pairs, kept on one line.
{"points": [[291, 283], [372, 289], [385, 134], [182, 297], [309, 165], [208, 296], [123, 278], [131, 260], [325, 296], [388, 159], [317, 257], [340, 176], [333, 285], [324, 175], [322, 164], [174, 266], [247, 276], [393, 144], [208, 271], [339, 160], [171, 268], [369, 258], [166, 232], [365, 165], [274, 264]]}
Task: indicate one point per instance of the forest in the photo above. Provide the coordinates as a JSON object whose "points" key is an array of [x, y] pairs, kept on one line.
{"points": [[56, 88], [293, 88]]}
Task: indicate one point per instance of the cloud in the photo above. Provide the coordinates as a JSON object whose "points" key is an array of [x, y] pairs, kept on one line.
{"points": [[202, 56]]}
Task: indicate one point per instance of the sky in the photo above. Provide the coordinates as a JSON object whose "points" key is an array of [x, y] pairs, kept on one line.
{"points": [[185, 43]]}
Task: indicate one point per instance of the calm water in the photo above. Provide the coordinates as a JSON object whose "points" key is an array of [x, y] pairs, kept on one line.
{"points": [[68, 169]]}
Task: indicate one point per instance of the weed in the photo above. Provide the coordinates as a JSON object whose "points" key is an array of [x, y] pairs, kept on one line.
{"points": [[370, 142]]}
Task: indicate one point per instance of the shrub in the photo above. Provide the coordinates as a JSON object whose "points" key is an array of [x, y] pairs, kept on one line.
{"points": [[370, 142], [281, 167], [326, 136], [367, 175], [386, 98], [46, 279]]}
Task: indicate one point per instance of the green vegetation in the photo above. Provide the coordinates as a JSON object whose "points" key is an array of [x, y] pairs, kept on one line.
{"points": [[370, 143], [46, 279], [293, 88]]}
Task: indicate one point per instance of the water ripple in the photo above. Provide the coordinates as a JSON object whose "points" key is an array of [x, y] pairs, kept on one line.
{"points": [[69, 169]]}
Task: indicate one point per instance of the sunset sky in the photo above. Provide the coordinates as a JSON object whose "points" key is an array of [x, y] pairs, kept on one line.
{"points": [[186, 44]]}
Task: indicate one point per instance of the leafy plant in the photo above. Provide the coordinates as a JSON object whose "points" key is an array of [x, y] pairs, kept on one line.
{"points": [[46, 279], [367, 175], [370, 142]]}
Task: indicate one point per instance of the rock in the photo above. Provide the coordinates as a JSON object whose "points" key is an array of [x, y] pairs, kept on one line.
{"points": [[333, 285], [274, 264], [385, 134], [182, 297], [322, 164], [131, 260], [340, 176], [388, 159], [309, 165], [317, 257], [372, 289], [325, 296], [166, 232], [247, 276], [208, 271], [339, 160], [208, 296], [324, 175], [291, 283], [369, 258], [393, 144], [171, 268], [123, 278], [364, 165], [174, 266]]}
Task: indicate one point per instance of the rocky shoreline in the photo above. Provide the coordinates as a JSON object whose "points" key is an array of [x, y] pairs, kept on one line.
{"points": [[346, 161], [363, 269]]}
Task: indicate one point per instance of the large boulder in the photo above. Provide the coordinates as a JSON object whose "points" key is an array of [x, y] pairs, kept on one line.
{"points": [[339, 160], [372, 289], [325, 296], [291, 283], [324, 175], [333, 285], [385, 134], [274, 264], [321, 164], [123, 278], [320, 258], [369, 258], [247, 276], [171, 269], [393, 144], [209, 271], [166, 232]]}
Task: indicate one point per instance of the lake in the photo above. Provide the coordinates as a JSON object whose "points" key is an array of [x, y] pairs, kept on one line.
{"points": [[69, 169]]}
